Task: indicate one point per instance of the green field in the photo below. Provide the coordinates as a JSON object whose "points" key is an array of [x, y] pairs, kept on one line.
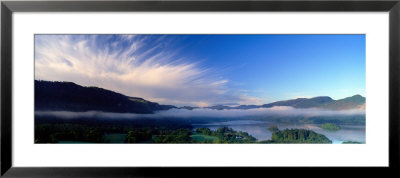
{"points": [[114, 138], [198, 137]]}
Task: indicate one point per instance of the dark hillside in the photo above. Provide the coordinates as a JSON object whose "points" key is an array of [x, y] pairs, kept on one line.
{"points": [[68, 96]]}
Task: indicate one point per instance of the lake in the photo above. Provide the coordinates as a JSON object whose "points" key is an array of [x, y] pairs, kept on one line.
{"points": [[259, 129]]}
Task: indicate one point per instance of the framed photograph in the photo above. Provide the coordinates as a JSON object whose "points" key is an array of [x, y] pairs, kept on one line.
{"points": [[142, 88]]}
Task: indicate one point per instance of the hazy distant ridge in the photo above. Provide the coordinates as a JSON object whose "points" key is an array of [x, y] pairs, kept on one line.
{"points": [[325, 102]]}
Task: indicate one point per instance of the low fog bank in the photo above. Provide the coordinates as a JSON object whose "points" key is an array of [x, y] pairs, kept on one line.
{"points": [[205, 113]]}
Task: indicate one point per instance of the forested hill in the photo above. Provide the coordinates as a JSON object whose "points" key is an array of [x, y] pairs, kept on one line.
{"points": [[68, 96]]}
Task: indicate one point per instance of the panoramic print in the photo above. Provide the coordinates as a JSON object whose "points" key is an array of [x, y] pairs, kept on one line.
{"points": [[200, 88]]}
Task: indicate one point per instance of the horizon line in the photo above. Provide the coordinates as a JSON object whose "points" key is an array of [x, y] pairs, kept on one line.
{"points": [[226, 104]]}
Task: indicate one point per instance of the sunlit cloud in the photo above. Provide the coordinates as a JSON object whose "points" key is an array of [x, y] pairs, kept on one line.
{"points": [[134, 65]]}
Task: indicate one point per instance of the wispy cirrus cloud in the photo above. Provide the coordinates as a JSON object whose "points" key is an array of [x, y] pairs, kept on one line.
{"points": [[135, 65]]}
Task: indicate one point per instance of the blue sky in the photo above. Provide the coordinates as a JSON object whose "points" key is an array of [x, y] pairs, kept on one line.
{"points": [[203, 70]]}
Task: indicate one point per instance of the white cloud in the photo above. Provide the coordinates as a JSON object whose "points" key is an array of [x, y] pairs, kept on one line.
{"points": [[133, 65]]}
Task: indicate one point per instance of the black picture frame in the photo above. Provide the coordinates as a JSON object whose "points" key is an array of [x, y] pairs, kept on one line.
{"points": [[8, 7]]}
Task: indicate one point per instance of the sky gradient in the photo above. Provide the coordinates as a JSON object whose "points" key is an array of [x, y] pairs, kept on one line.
{"points": [[204, 70]]}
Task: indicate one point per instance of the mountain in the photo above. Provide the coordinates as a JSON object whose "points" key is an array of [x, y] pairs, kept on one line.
{"points": [[302, 102], [356, 101], [68, 96], [188, 107], [247, 107], [353, 102], [325, 102], [219, 107]]}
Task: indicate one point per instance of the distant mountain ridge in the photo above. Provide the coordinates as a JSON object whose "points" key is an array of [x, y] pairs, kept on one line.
{"points": [[302, 102], [322, 102], [68, 96], [356, 101]]}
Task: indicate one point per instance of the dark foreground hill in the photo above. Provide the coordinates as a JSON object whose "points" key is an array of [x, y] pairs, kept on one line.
{"points": [[68, 96]]}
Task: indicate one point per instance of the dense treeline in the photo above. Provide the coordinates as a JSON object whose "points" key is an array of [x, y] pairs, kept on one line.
{"points": [[227, 135], [53, 130], [139, 135], [173, 136], [52, 133], [298, 136], [50, 130], [156, 135], [166, 132], [273, 128], [55, 133]]}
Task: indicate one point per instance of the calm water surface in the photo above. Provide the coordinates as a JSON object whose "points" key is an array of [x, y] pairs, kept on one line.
{"points": [[259, 129]]}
